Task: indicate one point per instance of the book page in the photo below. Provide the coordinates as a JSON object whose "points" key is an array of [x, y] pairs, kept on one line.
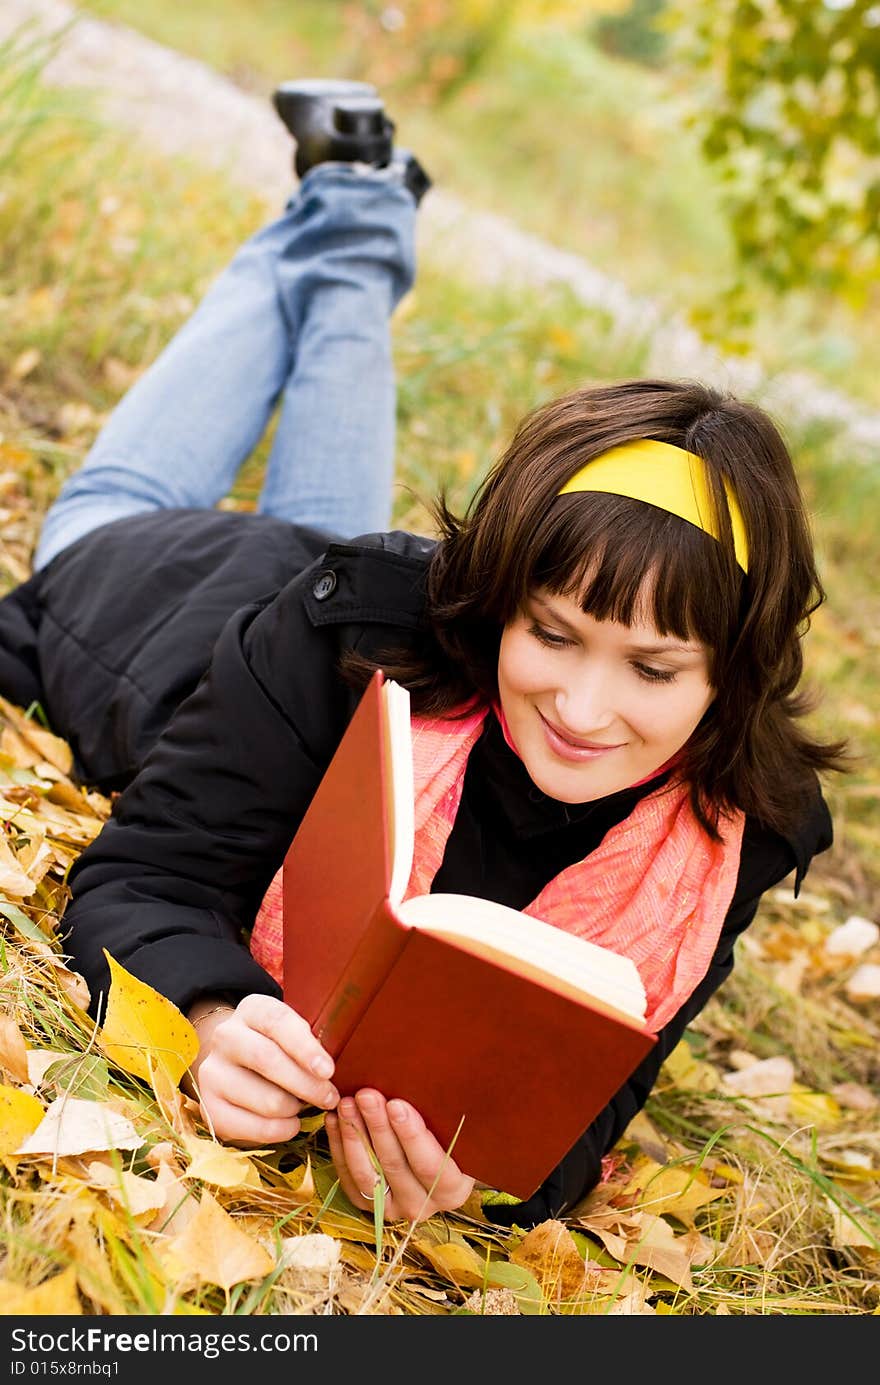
{"points": [[399, 777], [594, 970]]}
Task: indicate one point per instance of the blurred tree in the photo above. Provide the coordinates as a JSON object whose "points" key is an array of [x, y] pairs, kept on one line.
{"points": [[434, 47], [634, 34], [787, 102]]}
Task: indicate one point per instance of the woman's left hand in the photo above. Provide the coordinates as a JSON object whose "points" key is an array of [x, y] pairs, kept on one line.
{"points": [[420, 1178]]}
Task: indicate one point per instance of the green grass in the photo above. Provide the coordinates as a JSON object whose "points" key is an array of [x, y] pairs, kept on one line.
{"points": [[94, 282]]}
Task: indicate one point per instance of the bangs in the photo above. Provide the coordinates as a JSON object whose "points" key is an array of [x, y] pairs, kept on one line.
{"points": [[630, 562]]}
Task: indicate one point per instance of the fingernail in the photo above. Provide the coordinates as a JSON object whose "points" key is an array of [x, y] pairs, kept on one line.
{"points": [[322, 1066], [331, 1097], [366, 1101], [398, 1112]]}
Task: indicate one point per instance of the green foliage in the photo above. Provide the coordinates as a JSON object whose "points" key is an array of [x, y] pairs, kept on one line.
{"points": [[787, 104], [633, 34]]}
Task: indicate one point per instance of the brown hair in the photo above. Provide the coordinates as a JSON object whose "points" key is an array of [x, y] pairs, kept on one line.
{"points": [[613, 553]]}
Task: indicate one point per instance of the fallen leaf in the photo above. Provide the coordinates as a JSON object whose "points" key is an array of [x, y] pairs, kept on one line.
{"points": [[671, 1189], [813, 1108], [213, 1250], [450, 1255], [690, 1073], [219, 1165], [551, 1254], [13, 1050], [854, 1097], [72, 1126], [864, 984], [846, 1229], [853, 937], [13, 879], [143, 1030], [20, 1115], [55, 1297], [138, 1195], [767, 1077]]}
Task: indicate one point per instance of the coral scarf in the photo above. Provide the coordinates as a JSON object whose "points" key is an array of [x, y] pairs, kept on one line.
{"points": [[655, 889]]}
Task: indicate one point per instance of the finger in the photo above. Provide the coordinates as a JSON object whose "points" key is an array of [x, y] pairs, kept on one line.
{"points": [[359, 1192], [246, 1090], [431, 1163], [244, 1046], [289, 1030], [235, 1125], [408, 1191]]}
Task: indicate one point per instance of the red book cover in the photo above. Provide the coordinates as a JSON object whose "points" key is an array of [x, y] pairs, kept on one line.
{"points": [[507, 1063]]}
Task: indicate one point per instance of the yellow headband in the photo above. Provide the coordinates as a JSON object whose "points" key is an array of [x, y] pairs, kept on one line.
{"points": [[663, 475]]}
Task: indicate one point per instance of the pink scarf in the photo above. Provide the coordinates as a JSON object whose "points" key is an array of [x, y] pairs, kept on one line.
{"points": [[656, 888]]}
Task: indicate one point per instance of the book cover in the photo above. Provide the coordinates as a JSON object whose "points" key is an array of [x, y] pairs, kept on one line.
{"points": [[506, 1057]]}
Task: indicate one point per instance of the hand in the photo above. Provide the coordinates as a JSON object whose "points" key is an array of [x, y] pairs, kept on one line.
{"points": [[420, 1178], [258, 1065]]}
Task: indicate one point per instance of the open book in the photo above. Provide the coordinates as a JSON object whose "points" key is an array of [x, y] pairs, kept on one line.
{"points": [[506, 1033]]}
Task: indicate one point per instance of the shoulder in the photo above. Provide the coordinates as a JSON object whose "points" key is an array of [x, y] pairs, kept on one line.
{"points": [[768, 856], [374, 578]]}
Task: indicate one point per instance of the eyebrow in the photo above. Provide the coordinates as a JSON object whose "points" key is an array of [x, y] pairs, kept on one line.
{"points": [[670, 647]]}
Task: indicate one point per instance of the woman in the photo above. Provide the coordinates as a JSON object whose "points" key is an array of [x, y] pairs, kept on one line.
{"points": [[623, 602]]}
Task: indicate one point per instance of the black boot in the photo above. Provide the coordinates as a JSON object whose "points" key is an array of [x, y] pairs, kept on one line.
{"points": [[334, 120]]}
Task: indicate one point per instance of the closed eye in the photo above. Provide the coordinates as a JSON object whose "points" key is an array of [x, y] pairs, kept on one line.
{"points": [[546, 637], [654, 675]]}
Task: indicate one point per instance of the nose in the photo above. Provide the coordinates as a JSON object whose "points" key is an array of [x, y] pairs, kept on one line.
{"points": [[585, 704]]}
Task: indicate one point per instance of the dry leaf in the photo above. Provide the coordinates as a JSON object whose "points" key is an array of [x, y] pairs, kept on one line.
{"points": [[20, 1115], [213, 1250], [13, 1050], [14, 880], [864, 984], [218, 1164], [73, 1126], [852, 938], [854, 1097], [670, 1189], [551, 1253], [450, 1255], [143, 1031], [768, 1077], [690, 1073], [138, 1195], [55, 1297]]}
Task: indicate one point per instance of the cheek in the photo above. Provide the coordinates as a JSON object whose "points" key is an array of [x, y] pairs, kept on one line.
{"points": [[520, 667]]}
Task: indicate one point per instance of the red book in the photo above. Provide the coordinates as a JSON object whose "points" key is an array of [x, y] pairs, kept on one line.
{"points": [[506, 1033]]}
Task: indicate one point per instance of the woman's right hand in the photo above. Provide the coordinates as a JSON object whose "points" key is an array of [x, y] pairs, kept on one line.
{"points": [[258, 1065]]}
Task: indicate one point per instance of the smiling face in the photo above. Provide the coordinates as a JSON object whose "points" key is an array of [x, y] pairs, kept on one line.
{"points": [[595, 706]]}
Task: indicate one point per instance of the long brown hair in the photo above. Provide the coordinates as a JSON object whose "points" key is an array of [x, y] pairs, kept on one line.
{"points": [[621, 557]]}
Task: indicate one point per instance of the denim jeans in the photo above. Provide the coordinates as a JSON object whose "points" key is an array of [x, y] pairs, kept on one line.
{"points": [[299, 320]]}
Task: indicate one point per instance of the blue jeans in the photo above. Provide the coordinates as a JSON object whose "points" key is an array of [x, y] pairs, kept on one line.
{"points": [[300, 319]]}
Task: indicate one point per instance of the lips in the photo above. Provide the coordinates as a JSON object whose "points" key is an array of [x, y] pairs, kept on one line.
{"points": [[571, 749]]}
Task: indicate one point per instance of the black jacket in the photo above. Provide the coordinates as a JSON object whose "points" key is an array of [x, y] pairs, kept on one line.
{"points": [[235, 622]]}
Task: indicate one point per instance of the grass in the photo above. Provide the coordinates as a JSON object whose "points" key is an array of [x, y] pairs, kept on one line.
{"points": [[764, 1206]]}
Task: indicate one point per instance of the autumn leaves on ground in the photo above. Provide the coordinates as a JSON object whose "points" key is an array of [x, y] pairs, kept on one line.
{"points": [[747, 1186]]}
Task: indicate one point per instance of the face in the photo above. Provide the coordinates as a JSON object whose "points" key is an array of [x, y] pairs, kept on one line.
{"points": [[595, 706]]}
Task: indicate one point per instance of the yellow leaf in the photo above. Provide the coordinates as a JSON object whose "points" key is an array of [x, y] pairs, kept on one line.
{"points": [[678, 1191], [215, 1251], [143, 1030], [847, 1230], [689, 1073], [452, 1257], [813, 1108], [550, 1252], [138, 1195], [220, 1165], [54, 1297], [20, 1114]]}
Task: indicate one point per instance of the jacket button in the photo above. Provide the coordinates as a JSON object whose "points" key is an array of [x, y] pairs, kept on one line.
{"points": [[325, 585]]}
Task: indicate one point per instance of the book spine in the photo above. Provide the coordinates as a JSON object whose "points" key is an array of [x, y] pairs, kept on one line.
{"points": [[380, 945]]}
